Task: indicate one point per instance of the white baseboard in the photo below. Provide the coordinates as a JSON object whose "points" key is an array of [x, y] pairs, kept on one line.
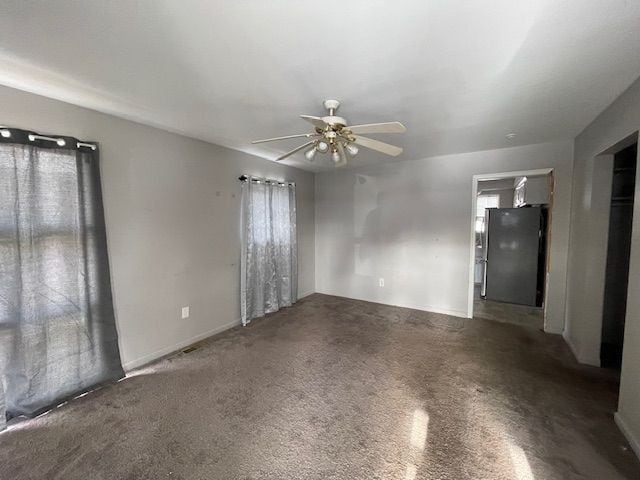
{"points": [[424, 308], [629, 435], [569, 342], [138, 362], [584, 359], [554, 330]]}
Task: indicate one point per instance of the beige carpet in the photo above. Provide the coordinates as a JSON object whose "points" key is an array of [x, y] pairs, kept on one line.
{"points": [[340, 389], [524, 315]]}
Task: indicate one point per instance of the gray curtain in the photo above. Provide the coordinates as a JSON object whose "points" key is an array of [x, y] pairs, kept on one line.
{"points": [[57, 329], [269, 264]]}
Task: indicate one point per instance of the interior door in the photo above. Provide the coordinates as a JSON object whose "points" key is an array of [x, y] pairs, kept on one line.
{"points": [[512, 255]]}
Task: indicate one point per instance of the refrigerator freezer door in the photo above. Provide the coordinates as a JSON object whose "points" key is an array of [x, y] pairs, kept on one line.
{"points": [[512, 255]]}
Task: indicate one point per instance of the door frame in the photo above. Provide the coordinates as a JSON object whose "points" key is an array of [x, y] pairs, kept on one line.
{"points": [[472, 237]]}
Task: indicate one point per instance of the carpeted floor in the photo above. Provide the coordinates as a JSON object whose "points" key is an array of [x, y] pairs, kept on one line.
{"points": [[507, 312], [340, 389]]}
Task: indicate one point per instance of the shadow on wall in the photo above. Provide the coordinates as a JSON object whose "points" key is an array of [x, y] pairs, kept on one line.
{"points": [[389, 237]]}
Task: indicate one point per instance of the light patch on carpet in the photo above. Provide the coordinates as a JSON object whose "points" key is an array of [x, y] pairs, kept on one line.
{"points": [[419, 429], [411, 472], [520, 463]]}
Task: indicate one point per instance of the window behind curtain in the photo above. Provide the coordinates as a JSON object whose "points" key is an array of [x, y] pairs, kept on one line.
{"points": [[57, 328]]}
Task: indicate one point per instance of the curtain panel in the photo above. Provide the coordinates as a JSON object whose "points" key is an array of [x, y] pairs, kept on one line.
{"points": [[57, 329], [269, 262]]}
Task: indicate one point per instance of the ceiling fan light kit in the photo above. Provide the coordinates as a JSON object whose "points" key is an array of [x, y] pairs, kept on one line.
{"points": [[332, 133], [352, 149], [322, 147], [311, 153]]}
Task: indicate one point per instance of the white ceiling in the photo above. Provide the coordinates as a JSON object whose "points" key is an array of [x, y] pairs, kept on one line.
{"points": [[460, 74]]}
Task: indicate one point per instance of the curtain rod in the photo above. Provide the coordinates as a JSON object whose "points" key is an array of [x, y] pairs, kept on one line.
{"points": [[246, 178], [60, 141], [6, 132]]}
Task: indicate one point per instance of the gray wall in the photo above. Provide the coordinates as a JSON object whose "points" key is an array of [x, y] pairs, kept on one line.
{"points": [[589, 230], [409, 223], [506, 198], [536, 190], [503, 188], [172, 215]]}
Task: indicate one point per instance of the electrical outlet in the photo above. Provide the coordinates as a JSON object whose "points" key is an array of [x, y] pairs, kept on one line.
{"points": [[185, 312], [381, 282]]}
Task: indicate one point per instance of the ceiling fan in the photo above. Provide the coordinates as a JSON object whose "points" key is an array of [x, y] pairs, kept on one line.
{"points": [[333, 134]]}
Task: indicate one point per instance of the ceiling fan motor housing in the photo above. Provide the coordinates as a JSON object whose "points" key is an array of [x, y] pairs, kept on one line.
{"points": [[336, 123]]}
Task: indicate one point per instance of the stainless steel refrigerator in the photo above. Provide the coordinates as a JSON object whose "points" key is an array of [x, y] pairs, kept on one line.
{"points": [[515, 255]]}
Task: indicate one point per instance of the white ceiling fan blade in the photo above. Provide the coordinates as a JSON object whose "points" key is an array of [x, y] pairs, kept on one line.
{"points": [[297, 149], [307, 135], [315, 121], [387, 127], [377, 145]]}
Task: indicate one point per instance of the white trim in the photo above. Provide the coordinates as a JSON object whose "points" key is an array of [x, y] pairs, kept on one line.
{"points": [[138, 362], [306, 294], [626, 431], [572, 346], [472, 238], [586, 360], [413, 306], [553, 330]]}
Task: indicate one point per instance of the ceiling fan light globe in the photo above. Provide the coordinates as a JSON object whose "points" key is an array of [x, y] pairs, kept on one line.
{"points": [[322, 147], [352, 149], [335, 156], [310, 154]]}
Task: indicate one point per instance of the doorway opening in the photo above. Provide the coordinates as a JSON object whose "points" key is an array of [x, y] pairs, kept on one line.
{"points": [[510, 244], [618, 253]]}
